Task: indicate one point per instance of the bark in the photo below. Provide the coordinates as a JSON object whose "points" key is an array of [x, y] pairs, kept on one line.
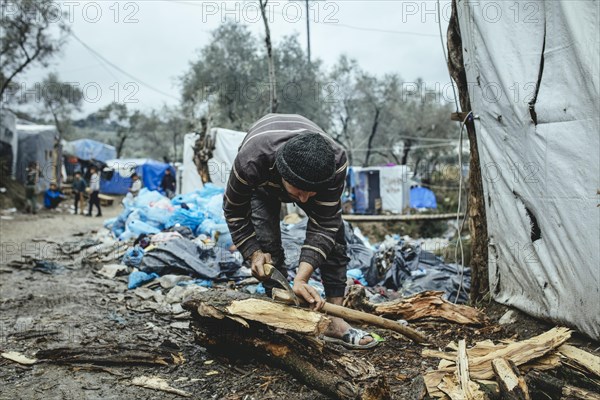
{"points": [[477, 220], [338, 375]]}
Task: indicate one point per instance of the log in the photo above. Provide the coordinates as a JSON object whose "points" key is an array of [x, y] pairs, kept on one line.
{"points": [[340, 375], [349, 314], [512, 384], [242, 307], [429, 304], [120, 355]]}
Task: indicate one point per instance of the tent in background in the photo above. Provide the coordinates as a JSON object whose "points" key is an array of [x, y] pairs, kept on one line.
{"points": [[88, 149], [224, 144], [391, 184], [421, 197], [116, 176], [37, 143], [9, 140]]}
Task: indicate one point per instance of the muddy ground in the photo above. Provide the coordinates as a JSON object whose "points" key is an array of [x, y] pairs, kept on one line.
{"points": [[75, 307]]}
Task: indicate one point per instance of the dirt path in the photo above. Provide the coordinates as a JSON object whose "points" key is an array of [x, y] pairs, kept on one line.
{"points": [[74, 307]]}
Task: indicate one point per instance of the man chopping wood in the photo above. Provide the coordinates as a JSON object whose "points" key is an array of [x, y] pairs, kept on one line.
{"points": [[288, 158]]}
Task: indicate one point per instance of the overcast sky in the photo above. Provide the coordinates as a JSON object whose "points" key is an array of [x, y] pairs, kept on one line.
{"points": [[154, 41]]}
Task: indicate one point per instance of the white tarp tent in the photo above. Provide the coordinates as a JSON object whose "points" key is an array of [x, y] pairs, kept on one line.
{"points": [[226, 143], [394, 185], [190, 179], [540, 178]]}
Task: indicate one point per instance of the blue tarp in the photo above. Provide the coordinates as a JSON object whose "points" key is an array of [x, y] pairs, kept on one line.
{"points": [[117, 179], [87, 149], [421, 197]]}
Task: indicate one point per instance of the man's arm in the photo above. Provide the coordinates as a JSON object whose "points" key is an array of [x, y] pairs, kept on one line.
{"points": [[237, 209]]}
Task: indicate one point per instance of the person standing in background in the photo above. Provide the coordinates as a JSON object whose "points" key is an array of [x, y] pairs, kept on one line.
{"points": [[31, 179], [168, 184], [79, 186], [94, 192]]}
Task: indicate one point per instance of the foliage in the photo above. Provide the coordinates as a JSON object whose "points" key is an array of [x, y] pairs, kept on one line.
{"points": [[31, 32]]}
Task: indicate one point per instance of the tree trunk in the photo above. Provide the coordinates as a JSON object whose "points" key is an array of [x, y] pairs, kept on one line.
{"points": [[272, 81], [477, 220], [405, 151], [221, 327], [371, 136]]}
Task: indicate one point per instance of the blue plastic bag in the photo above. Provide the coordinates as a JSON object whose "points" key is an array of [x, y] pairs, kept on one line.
{"points": [[138, 227], [133, 256], [189, 218], [138, 278]]}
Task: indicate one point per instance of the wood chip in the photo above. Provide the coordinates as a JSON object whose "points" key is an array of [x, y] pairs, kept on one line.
{"points": [[19, 358], [157, 383]]}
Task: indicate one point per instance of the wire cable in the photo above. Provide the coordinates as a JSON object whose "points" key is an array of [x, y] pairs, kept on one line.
{"points": [[121, 70]]}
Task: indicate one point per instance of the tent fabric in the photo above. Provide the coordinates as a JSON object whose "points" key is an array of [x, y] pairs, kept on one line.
{"points": [[190, 179], [150, 171], [394, 187], [87, 149], [227, 143], [36, 144], [540, 162], [421, 197], [9, 137]]}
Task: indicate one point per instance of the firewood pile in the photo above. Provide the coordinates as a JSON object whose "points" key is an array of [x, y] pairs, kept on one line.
{"points": [[514, 369]]}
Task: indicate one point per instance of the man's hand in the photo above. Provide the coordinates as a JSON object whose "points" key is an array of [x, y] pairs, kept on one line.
{"points": [[308, 293], [258, 260]]}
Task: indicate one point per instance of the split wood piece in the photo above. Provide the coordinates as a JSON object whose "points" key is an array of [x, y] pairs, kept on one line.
{"points": [[429, 304], [340, 375], [581, 358], [242, 307], [512, 384], [549, 387], [349, 314], [112, 355], [519, 353], [469, 388]]}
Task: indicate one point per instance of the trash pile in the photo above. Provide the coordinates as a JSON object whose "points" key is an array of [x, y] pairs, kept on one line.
{"points": [[188, 236]]}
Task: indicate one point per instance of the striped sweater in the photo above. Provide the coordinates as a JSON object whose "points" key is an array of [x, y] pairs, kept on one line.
{"points": [[254, 167]]}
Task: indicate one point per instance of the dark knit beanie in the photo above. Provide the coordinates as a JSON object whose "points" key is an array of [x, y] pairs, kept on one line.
{"points": [[307, 162]]}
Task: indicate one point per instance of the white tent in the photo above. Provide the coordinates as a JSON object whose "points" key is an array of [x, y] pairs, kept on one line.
{"points": [[540, 162], [225, 145], [393, 186]]}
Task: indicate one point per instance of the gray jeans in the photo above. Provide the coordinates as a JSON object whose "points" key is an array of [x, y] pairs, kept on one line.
{"points": [[265, 218]]}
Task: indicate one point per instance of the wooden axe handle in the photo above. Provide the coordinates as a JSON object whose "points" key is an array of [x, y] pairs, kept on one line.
{"points": [[358, 316]]}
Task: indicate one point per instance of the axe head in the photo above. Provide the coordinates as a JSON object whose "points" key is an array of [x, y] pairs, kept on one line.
{"points": [[275, 275]]}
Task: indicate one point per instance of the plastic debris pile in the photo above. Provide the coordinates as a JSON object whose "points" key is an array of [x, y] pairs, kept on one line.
{"points": [[188, 236]]}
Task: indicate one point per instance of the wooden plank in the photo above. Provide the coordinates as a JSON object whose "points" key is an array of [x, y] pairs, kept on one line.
{"points": [[400, 217], [512, 384]]}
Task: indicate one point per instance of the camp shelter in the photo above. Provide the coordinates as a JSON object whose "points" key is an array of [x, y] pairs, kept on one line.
{"points": [[388, 185], [116, 176], [9, 140], [88, 149], [221, 148], [38, 143], [533, 85]]}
